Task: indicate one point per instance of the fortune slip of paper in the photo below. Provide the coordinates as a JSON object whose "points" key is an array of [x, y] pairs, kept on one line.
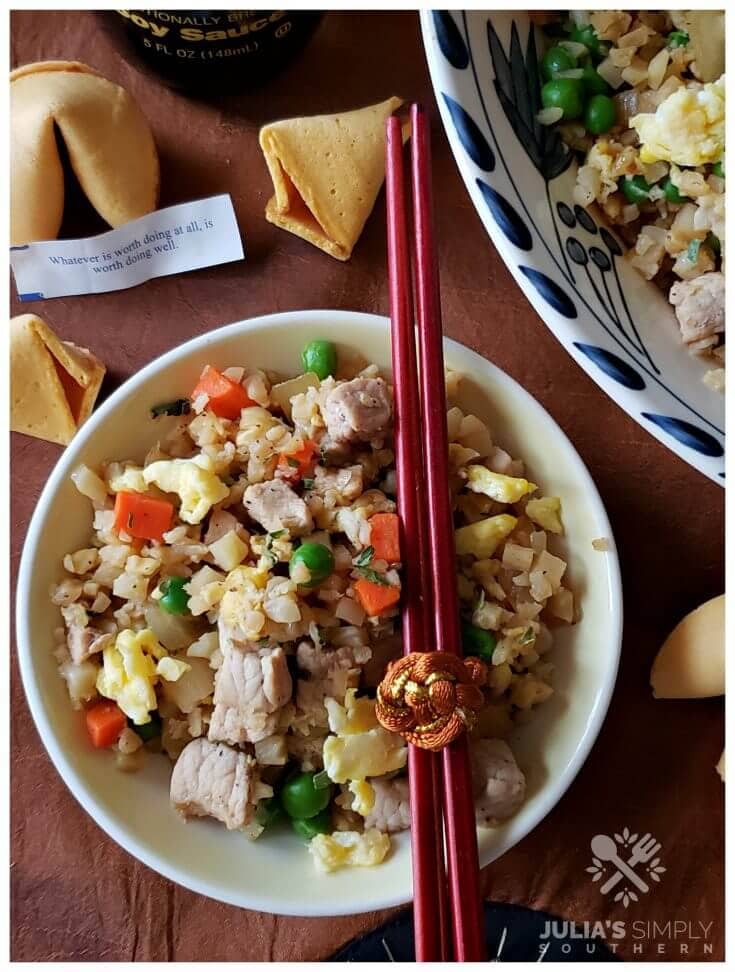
{"points": [[184, 237]]}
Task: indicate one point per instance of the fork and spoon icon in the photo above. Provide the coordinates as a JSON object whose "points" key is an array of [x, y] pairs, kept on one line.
{"points": [[605, 848]]}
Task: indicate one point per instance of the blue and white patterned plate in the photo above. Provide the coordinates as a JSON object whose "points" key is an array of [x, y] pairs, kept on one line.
{"points": [[616, 325]]}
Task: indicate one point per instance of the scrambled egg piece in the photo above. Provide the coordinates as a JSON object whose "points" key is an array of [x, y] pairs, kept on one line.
{"points": [[361, 747], [687, 128], [545, 511], [193, 480], [130, 480], [171, 669], [504, 489], [347, 848], [363, 797], [243, 598], [356, 715], [128, 673], [483, 538]]}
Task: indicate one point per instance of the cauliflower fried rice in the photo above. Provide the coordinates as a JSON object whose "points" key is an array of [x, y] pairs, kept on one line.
{"points": [[656, 171], [238, 601]]}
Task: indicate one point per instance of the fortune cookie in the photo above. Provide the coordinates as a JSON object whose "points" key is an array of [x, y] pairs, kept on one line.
{"points": [[53, 384], [107, 137], [691, 662], [327, 171]]}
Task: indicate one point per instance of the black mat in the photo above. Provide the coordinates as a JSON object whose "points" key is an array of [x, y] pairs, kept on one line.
{"points": [[514, 934]]}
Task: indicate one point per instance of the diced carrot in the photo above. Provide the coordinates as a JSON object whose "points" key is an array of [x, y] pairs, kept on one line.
{"points": [[226, 397], [376, 598], [142, 516], [105, 722], [384, 537], [297, 464]]}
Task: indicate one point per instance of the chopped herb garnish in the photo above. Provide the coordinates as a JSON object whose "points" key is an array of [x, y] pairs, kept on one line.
{"points": [[374, 576], [321, 780], [263, 641], [480, 602], [274, 535], [294, 463], [527, 637], [693, 250], [182, 406], [308, 484], [365, 557]]}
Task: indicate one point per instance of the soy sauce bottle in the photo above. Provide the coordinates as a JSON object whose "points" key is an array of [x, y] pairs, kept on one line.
{"points": [[210, 52]]}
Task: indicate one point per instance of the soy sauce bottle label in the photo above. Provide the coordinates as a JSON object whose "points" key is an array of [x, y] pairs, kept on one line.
{"points": [[217, 50]]}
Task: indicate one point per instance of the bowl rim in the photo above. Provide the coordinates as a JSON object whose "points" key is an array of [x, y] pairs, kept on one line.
{"points": [[550, 795]]}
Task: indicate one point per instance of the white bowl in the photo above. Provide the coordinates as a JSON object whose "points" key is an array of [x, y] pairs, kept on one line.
{"points": [[616, 325], [276, 874]]}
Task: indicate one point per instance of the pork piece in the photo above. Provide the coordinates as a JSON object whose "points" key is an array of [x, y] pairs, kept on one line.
{"points": [[346, 483], [84, 641], [358, 410], [331, 671], [250, 687], [498, 785], [276, 507], [699, 306], [220, 524], [213, 780], [391, 811]]}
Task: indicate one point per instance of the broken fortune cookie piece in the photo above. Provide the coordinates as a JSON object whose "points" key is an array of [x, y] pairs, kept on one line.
{"points": [[108, 141], [53, 384], [327, 171]]}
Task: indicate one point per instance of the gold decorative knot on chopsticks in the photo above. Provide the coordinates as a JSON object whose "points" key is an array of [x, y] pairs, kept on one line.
{"points": [[430, 697]]}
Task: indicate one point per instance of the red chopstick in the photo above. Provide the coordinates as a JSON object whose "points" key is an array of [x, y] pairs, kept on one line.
{"points": [[459, 814], [431, 612], [430, 913]]}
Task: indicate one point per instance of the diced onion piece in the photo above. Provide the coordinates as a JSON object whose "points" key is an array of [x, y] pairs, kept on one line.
{"points": [[89, 484], [576, 49], [611, 73], [192, 687], [349, 610], [580, 17], [549, 116], [229, 551], [657, 68], [562, 605]]}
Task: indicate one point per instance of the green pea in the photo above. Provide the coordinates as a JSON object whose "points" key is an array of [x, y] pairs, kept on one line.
{"points": [[587, 35], [592, 82], [671, 192], [677, 38], [635, 190], [148, 731], [599, 115], [477, 641], [318, 560], [320, 824], [564, 93], [301, 799], [269, 812], [320, 357], [557, 59], [175, 600], [718, 169]]}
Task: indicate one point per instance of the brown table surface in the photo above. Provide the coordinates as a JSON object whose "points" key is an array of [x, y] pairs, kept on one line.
{"points": [[652, 768]]}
